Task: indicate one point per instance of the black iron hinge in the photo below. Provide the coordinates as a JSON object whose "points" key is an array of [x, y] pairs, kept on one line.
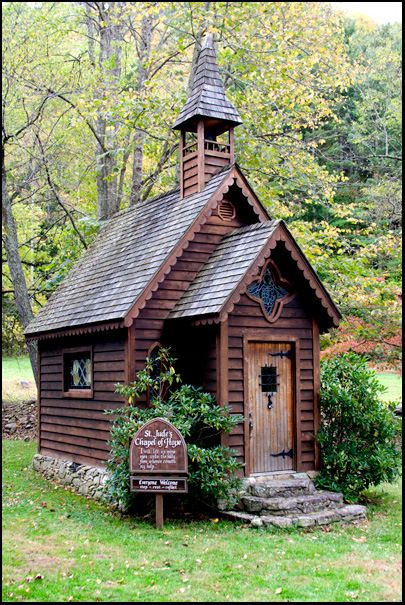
{"points": [[284, 454], [282, 354]]}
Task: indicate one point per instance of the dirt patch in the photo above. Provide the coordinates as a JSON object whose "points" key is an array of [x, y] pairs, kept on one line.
{"points": [[37, 557], [388, 571], [17, 390], [20, 420]]}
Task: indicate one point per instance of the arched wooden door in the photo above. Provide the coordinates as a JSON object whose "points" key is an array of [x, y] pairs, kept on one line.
{"points": [[271, 406]]}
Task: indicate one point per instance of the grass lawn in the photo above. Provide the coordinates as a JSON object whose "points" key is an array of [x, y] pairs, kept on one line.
{"points": [[15, 370], [393, 382], [79, 551]]}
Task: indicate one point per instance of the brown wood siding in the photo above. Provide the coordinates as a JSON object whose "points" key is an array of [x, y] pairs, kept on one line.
{"points": [[190, 170], [72, 428], [294, 321], [213, 163], [151, 325]]}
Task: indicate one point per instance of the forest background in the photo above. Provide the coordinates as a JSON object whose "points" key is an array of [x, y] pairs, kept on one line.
{"points": [[91, 90]]}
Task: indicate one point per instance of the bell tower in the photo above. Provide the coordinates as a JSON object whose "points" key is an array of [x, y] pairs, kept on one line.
{"points": [[206, 125]]}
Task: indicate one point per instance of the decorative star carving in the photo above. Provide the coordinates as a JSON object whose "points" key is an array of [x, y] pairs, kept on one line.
{"points": [[267, 291]]}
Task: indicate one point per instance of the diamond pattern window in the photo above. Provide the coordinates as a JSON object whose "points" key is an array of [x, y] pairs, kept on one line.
{"points": [[78, 373]]}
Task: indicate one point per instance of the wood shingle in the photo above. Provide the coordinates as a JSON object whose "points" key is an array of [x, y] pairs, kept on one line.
{"points": [[224, 270], [207, 97], [125, 256]]}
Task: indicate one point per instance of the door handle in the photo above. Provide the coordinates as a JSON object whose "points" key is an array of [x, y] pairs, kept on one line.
{"points": [[270, 401]]}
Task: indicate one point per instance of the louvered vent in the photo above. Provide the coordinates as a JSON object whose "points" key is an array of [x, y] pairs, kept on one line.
{"points": [[226, 211]]}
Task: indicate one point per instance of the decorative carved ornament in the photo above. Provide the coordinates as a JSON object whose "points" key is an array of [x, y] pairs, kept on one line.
{"points": [[271, 291]]}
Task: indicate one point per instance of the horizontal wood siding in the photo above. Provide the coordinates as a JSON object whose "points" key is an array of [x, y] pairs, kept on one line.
{"points": [[78, 429], [212, 164], [151, 325], [190, 170], [245, 319]]}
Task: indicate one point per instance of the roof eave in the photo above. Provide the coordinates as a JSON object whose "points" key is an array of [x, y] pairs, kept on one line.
{"points": [[75, 330], [191, 121]]}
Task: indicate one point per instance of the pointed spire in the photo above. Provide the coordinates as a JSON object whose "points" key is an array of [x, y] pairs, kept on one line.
{"points": [[207, 97]]}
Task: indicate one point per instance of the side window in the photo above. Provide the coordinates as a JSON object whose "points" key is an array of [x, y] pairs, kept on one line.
{"points": [[78, 372]]}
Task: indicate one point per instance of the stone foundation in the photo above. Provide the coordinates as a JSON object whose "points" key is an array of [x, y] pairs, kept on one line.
{"points": [[85, 480]]}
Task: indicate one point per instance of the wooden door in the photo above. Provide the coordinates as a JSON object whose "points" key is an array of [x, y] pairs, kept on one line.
{"points": [[270, 393]]}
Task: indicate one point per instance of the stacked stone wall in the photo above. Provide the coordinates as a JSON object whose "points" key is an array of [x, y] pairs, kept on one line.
{"points": [[85, 480]]}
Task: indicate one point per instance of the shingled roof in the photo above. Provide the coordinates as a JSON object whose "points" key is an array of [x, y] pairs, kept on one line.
{"points": [[224, 270], [123, 259], [207, 97], [240, 254]]}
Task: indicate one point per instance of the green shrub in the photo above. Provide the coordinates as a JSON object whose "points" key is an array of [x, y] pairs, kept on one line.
{"points": [[212, 467], [358, 430]]}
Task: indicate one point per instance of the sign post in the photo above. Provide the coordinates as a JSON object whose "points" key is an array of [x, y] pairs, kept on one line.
{"points": [[158, 462]]}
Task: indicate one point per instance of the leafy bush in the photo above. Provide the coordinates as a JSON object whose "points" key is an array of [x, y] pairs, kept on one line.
{"points": [[358, 430], [212, 467]]}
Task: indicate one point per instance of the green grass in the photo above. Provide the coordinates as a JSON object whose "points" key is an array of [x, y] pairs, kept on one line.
{"points": [[393, 382], [80, 551], [15, 370]]}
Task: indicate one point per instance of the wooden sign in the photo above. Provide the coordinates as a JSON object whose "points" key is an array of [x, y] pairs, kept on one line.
{"points": [[158, 447], [157, 455], [159, 485]]}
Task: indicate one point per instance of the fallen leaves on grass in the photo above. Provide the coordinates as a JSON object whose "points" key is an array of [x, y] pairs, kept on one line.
{"points": [[361, 539]]}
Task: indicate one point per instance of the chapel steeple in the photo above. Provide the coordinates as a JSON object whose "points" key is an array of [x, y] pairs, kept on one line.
{"points": [[206, 125]]}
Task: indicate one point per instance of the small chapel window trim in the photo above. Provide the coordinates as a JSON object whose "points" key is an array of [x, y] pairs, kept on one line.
{"points": [[270, 291], [78, 372]]}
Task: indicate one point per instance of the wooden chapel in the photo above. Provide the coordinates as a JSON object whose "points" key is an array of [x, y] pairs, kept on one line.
{"points": [[205, 270]]}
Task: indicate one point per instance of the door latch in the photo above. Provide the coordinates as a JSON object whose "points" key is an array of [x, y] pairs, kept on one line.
{"points": [[269, 401]]}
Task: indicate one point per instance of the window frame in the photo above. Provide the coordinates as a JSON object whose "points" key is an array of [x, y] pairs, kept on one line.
{"points": [[280, 281], [76, 393]]}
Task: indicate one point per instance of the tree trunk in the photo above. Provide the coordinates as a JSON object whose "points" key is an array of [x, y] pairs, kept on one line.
{"points": [[110, 27], [21, 296], [144, 56]]}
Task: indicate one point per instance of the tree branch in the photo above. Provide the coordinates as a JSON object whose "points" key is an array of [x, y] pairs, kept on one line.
{"points": [[58, 199]]}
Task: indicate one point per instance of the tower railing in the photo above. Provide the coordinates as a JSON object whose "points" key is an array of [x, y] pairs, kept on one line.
{"points": [[208, 146]]}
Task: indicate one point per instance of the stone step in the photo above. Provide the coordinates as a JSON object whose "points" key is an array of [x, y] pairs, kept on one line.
{"points": [[281, 487], [279, 475], [292, 505], [347, 514]]}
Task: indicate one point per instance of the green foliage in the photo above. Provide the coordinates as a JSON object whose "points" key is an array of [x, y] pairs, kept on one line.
{"points": [[359, 246], [320, 99], [212, 467], [358, 431], [13, 341]]}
